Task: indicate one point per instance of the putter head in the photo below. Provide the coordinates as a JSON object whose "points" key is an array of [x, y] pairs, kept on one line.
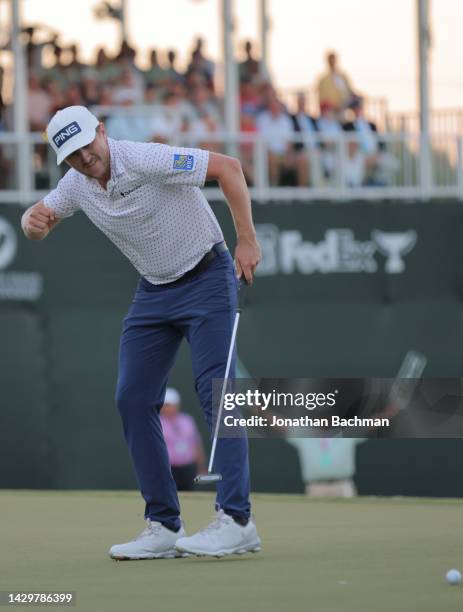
{"points": [[208, 478]]}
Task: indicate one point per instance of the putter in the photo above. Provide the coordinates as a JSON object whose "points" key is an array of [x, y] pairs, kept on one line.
{"points": [[212, 477]]}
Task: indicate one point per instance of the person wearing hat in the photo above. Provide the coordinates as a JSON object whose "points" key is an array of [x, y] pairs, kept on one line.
{"points": [[146, 198], [184, 446]]}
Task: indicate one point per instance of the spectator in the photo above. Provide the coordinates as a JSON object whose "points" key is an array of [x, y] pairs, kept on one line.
{"points": [[73, 96], [366, 131], [90, 88], [335, 87], [306, 126], [128, 88], [106, 96], [377, 164], [55, 94], [174, 112], [201, 64], [249, 69], [276, 128], [157, 128], [155, 75], [184, 106], [251, 101], [106, 71], [173, 75], [75, 68], [152, 95], [248, 126], [126, 52], [125, 64], [127, 126], [194, 79], [205, 104], [183, 442], [202, 127], [34, 49], [39, 105], [167, 126], [331, 132], [363, 152], [58, 72], [327, 465]]}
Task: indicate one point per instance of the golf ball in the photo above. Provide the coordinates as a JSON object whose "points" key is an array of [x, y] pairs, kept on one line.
{"points": [[453, 576]]}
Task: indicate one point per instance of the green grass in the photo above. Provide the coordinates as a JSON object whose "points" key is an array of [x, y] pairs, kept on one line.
{"points": [[322, 556]]}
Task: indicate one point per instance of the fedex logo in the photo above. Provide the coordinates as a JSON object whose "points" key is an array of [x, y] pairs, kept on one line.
{"points": [[66, 133]]}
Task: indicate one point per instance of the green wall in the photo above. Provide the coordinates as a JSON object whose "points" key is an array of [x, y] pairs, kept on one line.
{"points": [[328, 303]]}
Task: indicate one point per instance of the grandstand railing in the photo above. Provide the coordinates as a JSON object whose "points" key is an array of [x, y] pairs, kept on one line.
{"points": [[441, 121], [408, 172]]}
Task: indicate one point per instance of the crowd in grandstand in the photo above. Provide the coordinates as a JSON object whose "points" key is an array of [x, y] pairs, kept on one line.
{"points": [[183, 107]]}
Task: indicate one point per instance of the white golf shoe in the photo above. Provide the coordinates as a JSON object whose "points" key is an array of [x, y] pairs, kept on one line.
{"points": [[154, 542], [222, 537]]}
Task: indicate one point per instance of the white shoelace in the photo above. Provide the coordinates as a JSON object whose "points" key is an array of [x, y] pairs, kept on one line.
{"points": [[152, 528], [220, 519]]}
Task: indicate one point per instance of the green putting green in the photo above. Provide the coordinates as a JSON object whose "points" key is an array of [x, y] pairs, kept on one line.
{"points": [[363, 555]]}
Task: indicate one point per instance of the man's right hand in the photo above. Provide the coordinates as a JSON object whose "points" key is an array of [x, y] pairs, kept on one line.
{"points": [[37, 221]]}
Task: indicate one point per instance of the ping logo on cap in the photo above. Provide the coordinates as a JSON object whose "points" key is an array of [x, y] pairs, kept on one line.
{"points": [[183, 162], [66, 133]]}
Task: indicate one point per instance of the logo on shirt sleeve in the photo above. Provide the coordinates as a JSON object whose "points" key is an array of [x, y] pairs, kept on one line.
{"points": [[66, 133], [183, 162]]}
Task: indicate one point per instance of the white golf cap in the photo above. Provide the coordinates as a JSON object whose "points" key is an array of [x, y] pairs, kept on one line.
{"points": [[172, 396], [69, 129]]}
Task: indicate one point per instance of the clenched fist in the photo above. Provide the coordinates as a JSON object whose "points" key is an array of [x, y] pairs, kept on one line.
{"points": [[37, 221]]}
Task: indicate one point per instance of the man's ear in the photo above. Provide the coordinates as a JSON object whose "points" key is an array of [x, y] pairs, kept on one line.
{"points": [[101, 128]]}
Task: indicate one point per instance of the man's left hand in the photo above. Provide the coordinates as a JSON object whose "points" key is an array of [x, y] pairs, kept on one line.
{"points": [[247, 256]]}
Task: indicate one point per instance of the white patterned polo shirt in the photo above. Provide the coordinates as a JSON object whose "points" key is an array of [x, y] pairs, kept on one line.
{"points": [[153, 209]]}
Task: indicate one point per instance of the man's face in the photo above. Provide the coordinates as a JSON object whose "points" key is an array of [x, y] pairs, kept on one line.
{"points": [[93, 159]]}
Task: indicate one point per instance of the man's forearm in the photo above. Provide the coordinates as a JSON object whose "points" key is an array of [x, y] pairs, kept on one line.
{"points": [[233, 185], [229, 174]]}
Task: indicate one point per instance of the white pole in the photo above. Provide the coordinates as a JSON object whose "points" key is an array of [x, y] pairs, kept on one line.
{"points": [[20, 106], [231, 74], [264, 25], [424, 44], [460, 167]]}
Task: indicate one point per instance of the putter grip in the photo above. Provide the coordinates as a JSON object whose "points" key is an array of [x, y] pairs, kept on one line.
{"points": [[243, 290]]}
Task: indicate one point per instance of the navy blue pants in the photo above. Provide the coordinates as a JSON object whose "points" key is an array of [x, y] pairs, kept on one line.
{"points": [[202, 309]]}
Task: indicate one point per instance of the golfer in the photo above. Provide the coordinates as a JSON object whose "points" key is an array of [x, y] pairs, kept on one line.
{"points": [[146, 198]]}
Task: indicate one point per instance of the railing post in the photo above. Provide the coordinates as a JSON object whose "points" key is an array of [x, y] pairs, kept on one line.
{"points": [[460, 168], [260, 167], [341, 156], [20, 113], [425, 166]]}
